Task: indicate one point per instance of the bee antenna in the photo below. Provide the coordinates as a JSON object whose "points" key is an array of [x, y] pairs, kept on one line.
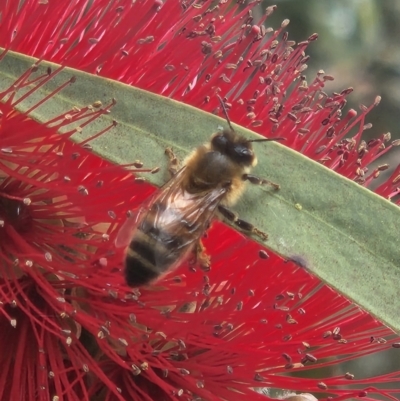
{"points": [[225, 112], [279, 138]]}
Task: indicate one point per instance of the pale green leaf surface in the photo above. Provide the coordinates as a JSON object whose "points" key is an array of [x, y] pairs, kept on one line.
{"points": [[347, 235]]}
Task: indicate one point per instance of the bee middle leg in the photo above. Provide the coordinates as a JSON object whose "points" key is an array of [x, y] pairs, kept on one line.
{"points": [[259, 181], [245, 226], [173, 165]]}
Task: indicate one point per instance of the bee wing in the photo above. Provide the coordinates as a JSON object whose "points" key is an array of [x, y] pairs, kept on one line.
{"points": [[184, 212], [124, 235]]}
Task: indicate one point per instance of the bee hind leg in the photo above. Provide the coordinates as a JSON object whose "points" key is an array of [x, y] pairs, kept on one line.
{"points": [[259, 181], [200, 257], [245, 226], [173, 165]]}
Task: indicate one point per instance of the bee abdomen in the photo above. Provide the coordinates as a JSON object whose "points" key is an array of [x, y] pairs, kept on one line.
{"points": [[138, 271], [147, 258]]}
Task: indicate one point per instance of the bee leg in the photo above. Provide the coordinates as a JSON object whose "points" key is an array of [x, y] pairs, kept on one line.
{"points": [[259, 181], [173, 165], [201, 257], [245, 226]]}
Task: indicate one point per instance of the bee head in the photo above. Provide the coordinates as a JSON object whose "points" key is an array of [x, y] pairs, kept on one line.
{"points": [[238, 149]]}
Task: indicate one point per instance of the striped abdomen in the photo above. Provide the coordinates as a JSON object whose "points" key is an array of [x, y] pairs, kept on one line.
{"points": [[161, 240]]}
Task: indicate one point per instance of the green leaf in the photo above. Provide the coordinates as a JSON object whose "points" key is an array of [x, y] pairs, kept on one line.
{"points": [[347, 235]]}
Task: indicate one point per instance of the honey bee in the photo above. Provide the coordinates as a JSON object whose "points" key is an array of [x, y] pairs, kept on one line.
{"points": [[212, 178]]}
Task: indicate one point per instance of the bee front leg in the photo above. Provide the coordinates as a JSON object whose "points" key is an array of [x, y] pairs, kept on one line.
{"points": [[200, 257], [245, 226], [173, 165], [259, 181]]}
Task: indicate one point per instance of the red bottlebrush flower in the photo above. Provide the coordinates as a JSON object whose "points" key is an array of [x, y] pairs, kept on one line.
{"points": [[258, 70], [51, 243], [189, 337]]}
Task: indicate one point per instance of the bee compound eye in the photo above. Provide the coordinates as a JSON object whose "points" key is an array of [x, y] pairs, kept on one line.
{"points": [[242, 154], [219, 142]]}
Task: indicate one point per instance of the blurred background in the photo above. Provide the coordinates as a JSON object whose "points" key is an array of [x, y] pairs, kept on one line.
{"points": [[359, 44]]}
